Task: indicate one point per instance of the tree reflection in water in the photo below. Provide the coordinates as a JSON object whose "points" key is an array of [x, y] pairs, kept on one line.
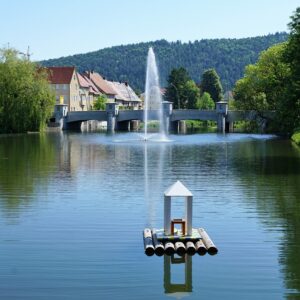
{"points": [[270, 175]]}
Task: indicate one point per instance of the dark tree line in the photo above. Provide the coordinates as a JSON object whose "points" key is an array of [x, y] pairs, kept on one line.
{"points": [[128, 63]]}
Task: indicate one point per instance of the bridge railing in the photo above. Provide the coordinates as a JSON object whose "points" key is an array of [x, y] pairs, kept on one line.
{"points": [[81, 116], [193, 114], [127, 115]]}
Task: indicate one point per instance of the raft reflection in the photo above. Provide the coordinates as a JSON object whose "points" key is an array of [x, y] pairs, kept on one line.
{"points": [[183, 289]]}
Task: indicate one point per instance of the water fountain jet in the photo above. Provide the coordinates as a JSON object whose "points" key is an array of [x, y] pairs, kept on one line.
{"points": [[153, 98]]}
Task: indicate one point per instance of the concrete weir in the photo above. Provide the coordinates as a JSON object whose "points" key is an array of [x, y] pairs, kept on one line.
{"points": [[173, 120]]}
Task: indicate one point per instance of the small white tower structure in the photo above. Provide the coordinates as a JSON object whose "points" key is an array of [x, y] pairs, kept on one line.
{"points": [[178, 190]]}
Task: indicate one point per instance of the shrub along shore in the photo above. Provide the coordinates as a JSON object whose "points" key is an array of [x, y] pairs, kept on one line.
{"points": [[296, 137]]}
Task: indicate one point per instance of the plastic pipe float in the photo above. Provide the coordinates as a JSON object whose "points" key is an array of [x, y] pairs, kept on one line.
{"points": [[180, 248], [200, 248], [148, 243], [210, 246], [169, 248], [158, 246], [190, 248]]}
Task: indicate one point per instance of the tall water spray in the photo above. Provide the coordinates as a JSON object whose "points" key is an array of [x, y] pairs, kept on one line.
{"points": [[153, 98]]}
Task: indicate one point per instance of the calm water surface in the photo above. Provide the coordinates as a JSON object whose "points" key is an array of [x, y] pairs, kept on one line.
{"points": [[73, 207]]}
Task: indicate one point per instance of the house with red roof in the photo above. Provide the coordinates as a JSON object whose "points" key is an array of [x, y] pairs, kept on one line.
{"points": [[101, 84], [125, 96], [79, 91], [88, 92], [64, 82]]}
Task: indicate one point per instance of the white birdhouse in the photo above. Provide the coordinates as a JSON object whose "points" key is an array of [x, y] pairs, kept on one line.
{"points": [[178, 190]]}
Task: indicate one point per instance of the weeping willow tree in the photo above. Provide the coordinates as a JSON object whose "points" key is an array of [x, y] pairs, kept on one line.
{"points": [[26, 100]]}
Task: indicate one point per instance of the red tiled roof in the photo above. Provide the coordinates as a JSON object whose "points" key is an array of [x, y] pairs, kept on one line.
{"points": [[61, 75], [101, 84], [82, 81], [92, 88], [124, 91]]}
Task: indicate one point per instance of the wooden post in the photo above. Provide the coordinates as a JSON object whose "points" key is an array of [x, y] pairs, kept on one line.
{"points": [[190, 248], [210, 246], [169, 248], [158, 246], [200, 248], [148, 244], [180, 248]]}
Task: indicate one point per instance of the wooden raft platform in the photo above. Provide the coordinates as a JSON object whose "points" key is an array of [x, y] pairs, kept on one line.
{"points": [[156, 242]]}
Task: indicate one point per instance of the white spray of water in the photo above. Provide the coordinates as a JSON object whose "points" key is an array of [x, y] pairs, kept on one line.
{"points": [[153, 97]]}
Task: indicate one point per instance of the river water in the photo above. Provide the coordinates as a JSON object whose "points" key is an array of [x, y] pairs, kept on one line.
{"points": [[73, 208]]}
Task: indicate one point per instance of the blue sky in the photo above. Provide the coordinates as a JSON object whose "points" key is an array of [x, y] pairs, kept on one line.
{"points": [[55, 28]]}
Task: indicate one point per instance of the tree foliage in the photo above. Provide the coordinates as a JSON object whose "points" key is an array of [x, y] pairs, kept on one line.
{"points": [[273, 83], [205, 102], [26, 101], [128, 63], [263, 83], [100, 103], [264, 87], [211, 84], [181, 90], [292, 58]]}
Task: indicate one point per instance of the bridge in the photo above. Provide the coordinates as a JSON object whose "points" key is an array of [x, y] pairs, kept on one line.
{"points": [[120, 119]]}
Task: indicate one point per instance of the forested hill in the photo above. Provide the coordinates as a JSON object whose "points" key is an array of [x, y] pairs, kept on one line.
{"points": [[128, 63]]}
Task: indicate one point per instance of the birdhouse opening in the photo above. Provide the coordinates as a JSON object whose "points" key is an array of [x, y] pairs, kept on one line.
{"points": [[178, 221], [178, 226]]}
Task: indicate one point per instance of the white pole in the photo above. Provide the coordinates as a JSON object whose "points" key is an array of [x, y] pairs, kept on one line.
{"points": [[167, 215], [189, 214]]}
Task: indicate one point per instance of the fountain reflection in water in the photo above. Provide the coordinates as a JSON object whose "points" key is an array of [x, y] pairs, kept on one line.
{"points": [[155, 155], [153, 97]]}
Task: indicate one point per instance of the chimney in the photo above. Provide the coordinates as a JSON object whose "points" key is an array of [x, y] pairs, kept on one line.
{"points": [[88, 75]]}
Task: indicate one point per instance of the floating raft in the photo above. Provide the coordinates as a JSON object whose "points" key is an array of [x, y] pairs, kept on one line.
{"points": [[155, 242]]}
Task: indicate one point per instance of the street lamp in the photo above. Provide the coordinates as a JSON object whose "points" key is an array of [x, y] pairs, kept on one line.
{"points": [[177, 94], [27, 54]]}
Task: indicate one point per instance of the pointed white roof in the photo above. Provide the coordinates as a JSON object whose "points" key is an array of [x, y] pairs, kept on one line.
{"points": [[177, 189]]}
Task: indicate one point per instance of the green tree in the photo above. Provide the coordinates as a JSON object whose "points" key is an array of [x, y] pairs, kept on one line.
{"points": [[100, 103], [211, 84], [191, 95], [291, 107], [274, 81], [175, 89], [205, 102], [181, 89], [26, 100], [264, 85]]}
